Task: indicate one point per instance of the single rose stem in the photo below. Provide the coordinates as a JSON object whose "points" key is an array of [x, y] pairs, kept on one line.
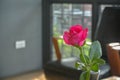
{"points": [[81, 51]]}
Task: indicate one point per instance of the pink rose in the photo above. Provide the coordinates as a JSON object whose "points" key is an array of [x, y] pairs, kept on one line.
{"points": [[75, 36]]}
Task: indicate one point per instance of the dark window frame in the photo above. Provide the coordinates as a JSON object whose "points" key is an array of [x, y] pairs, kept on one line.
{"points": [[46, 21]]}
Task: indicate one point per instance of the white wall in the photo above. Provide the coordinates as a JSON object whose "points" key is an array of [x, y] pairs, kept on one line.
{"points": [[20, 20]]}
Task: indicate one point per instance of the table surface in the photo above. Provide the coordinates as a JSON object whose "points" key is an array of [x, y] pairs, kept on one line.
{"points": [[37, 75], [112, 78]]}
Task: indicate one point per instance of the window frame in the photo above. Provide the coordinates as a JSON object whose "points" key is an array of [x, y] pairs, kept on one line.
{"points": [[47, 27]]}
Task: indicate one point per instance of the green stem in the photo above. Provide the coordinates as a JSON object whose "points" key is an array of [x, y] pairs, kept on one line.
{"points": [[81, 51], [88, 76]]}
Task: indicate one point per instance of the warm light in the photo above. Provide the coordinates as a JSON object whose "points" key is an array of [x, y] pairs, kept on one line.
{"points": [[40, 77], [114, 44], [35, 79]]}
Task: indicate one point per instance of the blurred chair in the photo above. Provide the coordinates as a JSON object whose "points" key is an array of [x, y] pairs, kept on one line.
{"points": [[108, 28], [62, 66], [66, 66], [113, 53]]}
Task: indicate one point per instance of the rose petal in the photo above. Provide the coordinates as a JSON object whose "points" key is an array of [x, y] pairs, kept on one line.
{"points": [[66, 37], [75, 36]]}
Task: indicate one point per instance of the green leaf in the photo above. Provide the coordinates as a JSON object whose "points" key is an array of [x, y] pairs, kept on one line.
{"points": [[100, 61], [82, 58], [77, 64], [95, 67], [87, 59], [85, 75], [95, 50]]}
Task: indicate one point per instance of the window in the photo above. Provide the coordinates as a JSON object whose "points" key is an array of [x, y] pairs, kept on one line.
{"points": [[65, 15], [57, 15]]}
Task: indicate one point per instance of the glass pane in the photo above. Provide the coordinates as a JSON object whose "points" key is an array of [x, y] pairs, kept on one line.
{"points": [[65, 15]]}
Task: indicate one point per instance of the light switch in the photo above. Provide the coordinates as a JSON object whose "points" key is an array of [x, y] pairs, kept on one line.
{"points": [[20, 44]]}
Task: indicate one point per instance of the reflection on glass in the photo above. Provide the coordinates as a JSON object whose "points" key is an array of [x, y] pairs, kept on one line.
{"points": [[65, 15]]}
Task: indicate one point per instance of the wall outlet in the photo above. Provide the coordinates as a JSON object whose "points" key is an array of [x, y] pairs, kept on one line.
{"points": [[20, 44]]}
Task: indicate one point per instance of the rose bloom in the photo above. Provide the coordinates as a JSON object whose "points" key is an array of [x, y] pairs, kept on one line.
{"points": [[76, 35]]}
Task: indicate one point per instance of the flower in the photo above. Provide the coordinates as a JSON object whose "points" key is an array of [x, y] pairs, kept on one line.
{"points": [[77, 37]]}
